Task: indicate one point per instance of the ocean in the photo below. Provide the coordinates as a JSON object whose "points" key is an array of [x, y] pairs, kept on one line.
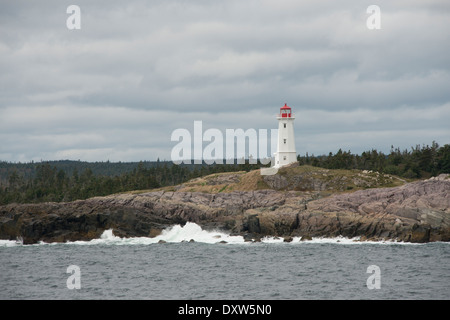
{"points": [[172, 267]]}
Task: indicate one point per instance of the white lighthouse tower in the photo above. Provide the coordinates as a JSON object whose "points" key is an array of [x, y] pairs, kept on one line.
{"points": [[286, 153]]}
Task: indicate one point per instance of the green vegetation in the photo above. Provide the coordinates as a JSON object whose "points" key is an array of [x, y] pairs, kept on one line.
{"points": [[309, 178], [71, 180], [419, 162]]}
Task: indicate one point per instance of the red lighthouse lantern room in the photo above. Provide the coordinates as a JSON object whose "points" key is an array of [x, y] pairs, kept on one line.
{"points": [[285, 112]]}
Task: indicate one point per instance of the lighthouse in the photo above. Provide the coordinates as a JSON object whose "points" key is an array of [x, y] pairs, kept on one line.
{"points": [[286, 153]]}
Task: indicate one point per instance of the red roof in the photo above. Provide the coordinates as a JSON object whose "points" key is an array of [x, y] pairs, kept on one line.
{"points": [[285, 106]]}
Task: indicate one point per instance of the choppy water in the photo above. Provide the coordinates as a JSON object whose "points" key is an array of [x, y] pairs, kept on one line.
{"points": [[141, 268]]}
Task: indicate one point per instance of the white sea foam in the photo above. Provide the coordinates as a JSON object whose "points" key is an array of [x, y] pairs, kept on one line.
{"points": [[175, 234], [191, 231], [324, 240], [11, 243], [272, 240], [8, 243]]}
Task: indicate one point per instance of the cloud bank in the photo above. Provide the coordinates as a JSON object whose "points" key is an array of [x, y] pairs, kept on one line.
{"points": [[137, 70]]}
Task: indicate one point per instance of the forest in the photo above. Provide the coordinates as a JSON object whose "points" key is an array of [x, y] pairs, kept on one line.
{"points": [[67, 180]]}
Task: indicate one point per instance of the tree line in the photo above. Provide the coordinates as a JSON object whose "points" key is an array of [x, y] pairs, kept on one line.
{"points": [[71, 180], [419, 162], [45, 182]]}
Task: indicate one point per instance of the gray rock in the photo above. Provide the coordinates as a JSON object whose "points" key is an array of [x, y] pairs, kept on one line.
{"points": [[416, 212]]}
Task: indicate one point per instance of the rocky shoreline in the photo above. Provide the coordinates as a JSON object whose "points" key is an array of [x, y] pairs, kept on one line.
{"points": [[413, 212]]}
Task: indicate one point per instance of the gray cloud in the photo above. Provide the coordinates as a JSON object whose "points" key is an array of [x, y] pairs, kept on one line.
{"points": [[137, 70]]}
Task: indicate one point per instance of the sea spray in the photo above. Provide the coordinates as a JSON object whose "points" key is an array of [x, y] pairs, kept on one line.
{"points": [[193, 232], [174, 234]]}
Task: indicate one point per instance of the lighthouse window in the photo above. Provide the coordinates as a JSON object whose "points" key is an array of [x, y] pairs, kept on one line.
{"points": [[284, 141], [284, 125]]}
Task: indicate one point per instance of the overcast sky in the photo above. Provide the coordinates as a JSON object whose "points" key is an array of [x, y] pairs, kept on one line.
{"points": [[137, 70]]}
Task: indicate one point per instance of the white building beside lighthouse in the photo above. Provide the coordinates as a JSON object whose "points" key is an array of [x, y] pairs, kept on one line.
{"points": [[286, 153]]}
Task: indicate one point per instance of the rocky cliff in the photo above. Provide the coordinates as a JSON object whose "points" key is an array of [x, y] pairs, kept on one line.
{"points": [[291, 203]]}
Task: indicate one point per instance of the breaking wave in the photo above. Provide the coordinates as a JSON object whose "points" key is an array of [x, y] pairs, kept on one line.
{"points": [[11, 243], [192, 232]]}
